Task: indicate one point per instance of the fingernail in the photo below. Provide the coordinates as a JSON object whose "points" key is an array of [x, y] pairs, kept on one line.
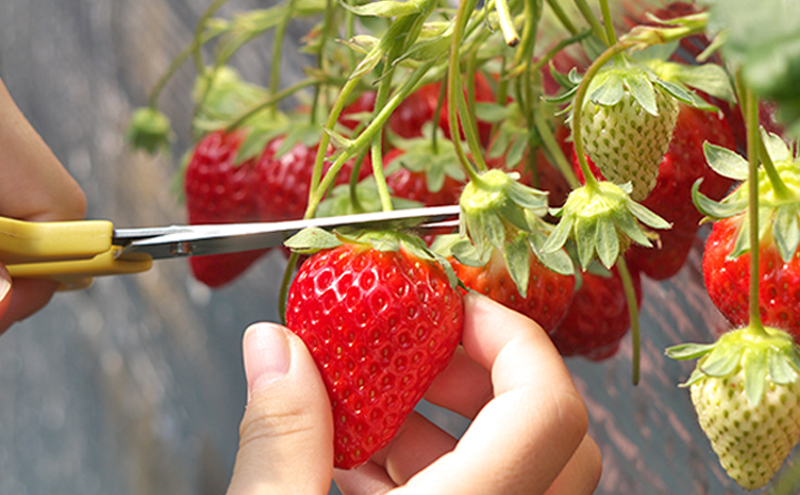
{"points": [[5, 282], [266, 355]]}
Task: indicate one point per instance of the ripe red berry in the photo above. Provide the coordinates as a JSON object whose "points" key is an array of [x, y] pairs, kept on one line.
{"points": [[380, 326]]}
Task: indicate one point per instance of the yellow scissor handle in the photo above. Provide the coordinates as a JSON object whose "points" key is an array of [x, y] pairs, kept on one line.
{"points": [[69, 252]]}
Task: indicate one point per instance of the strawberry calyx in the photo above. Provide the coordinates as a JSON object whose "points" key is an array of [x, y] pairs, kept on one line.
{"points": [[778, 182], [602, 219], [500, 214], [767, 357], [150, 130], [394, 238]]}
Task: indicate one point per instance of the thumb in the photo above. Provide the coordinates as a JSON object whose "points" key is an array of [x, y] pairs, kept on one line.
{"points": [[286, 435]]}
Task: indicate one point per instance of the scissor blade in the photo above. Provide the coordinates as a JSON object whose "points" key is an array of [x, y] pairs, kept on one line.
{"points": [[190, 240]]}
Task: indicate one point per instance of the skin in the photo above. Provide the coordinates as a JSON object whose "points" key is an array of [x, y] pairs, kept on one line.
{"points": [[528, 434], [33, 186]]}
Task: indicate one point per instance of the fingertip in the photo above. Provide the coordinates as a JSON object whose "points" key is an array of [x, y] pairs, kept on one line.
{"points": [[5, 290], [267, 355]]}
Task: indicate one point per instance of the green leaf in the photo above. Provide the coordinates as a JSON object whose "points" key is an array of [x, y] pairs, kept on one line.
{"points": [[646, 216], [689, 351], [708, 78], [558, 237], [643, 92], [780, 369], [628, 225], [755, 374], [776, 147], [311, 240], [786, 231], [518, 261], [713, 209], [491, 112], [606, 89], [725, 162], [722, 361], [585, 240], [607, 242]]}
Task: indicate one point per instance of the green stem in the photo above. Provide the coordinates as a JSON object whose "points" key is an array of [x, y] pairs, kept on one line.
{"points": [[609, 22], [277, 48], [782, 192], [577, 108], [510, 34], [597, 27], [200, 64], [539, 64], [751, 119], [633, 312], [271, 100], [454, 91], [321, 60], [562, 17], [551, 144]]}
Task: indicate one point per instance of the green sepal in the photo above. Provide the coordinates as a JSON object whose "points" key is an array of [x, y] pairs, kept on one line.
{"points": [[647, 216], [721, 361], [677, 91], [628, 225], [558, 261], [725, 162], [383, 8], [150, 130], [689, 350], [708, 78], [607, 88], [716, 210], [312, 240], [786, 231], [466, 254], [780, 369], [517, 255], [585, 239], [607, 244], [695, 377], [558, 237], [742, 243], [643, 93], [491, 112], [776, 147], [755, 374]]}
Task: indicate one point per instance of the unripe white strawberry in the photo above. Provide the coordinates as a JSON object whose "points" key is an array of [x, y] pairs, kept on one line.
{"points": [[627, 124], [751, 440], [746, 392]]}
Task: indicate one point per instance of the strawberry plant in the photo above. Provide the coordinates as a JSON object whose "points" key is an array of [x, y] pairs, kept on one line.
{"points": [[586, 147]]}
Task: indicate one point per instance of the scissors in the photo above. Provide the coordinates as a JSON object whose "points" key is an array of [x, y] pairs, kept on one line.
{"points": [[74, 252]]}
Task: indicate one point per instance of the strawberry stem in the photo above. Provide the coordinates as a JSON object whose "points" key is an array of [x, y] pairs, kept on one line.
{"points": [[270, 101], [454, 91], [597, 27], [577, 108], [326, 26], [780, 189], [510, 34], [277, 48], [562, 17], [609, 23], [551, 145], [753, 138], [633, 313]]}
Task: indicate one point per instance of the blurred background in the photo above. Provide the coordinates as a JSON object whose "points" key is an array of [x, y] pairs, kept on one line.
{"points": [[135, 385]]}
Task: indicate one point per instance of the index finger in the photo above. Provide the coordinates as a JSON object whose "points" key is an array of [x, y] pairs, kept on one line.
{"points": [[522, 438]]}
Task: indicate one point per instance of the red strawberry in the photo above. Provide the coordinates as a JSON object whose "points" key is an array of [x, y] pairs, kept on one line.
{"points": [[365, 103], [548, 297], [728, 280], [671, 198], [282, 183], [598, 317], [380, 326], [419, 108], [219, 191]]}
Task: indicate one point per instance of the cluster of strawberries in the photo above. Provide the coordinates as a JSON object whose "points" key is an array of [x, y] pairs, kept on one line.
{"points": [[570, 192]]}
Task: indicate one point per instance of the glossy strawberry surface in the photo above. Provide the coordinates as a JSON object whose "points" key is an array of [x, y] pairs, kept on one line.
{"points": [[728, 280], [380, 326], [598, 317], [220, 191], [548, 297], [282, 183]]}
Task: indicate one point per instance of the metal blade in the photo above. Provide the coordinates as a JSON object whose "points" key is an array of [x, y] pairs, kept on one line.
{"points": [[189, 240]]}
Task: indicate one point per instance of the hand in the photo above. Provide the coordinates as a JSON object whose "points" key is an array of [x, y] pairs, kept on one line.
{"points": [[33, 186], [528, 433]]}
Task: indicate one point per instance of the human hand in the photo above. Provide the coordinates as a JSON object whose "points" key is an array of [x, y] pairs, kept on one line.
{"points": [[33, 186], [528, 433]]}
